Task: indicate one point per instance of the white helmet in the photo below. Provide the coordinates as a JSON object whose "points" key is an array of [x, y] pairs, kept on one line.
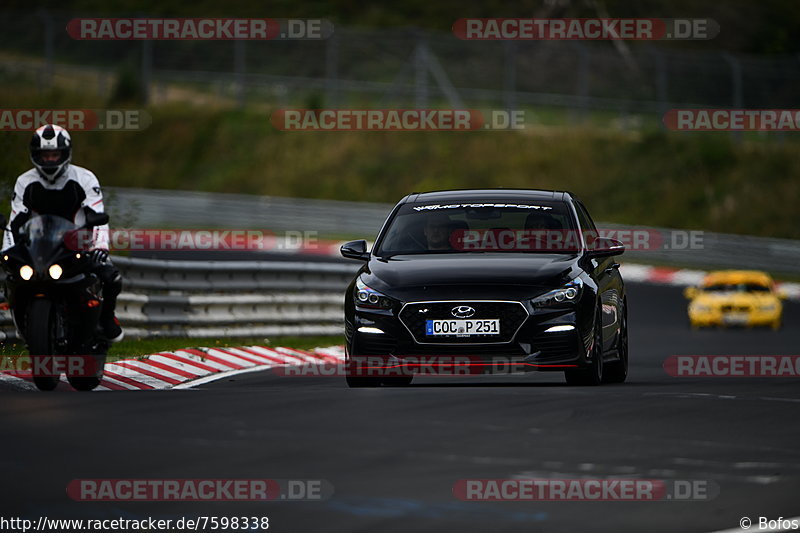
{"points": [[47, 138]]}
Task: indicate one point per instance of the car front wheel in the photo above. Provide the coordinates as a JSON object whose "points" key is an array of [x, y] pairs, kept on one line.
{"points": [[593, 374]]}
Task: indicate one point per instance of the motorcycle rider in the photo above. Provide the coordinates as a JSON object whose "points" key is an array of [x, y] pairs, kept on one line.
{"points": [[56, 187]]}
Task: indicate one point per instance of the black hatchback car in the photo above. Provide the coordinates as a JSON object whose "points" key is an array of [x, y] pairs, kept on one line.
{"points": [[487, 279]]}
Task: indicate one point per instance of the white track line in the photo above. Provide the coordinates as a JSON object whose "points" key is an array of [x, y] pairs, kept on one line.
{"points": [[220, 375], [16, 382]]}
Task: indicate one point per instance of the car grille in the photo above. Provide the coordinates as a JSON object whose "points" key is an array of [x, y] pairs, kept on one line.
{"points": [[735, 308], [511, 315]]}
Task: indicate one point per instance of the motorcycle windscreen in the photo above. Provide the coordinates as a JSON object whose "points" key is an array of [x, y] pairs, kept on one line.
{"points": [[46, 236]]}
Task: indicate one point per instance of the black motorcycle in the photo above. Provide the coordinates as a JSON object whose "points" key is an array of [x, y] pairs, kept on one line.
{"points": [[56, 300]]}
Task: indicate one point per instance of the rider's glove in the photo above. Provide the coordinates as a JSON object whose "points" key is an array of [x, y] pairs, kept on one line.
{"points": [[99, 256]]}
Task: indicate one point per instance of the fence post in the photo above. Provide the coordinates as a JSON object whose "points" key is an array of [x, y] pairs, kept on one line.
{"points": [[332, 71], [147, 69], [49, 35], [662, 86], [582, 88], [510, 76], [240, 65], [421, 72], [736, 88]]}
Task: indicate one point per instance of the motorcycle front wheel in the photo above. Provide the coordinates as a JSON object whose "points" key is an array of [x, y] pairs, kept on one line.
{"points": [[40, 337]]}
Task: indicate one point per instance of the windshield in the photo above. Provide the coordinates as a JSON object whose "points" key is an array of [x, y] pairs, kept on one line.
{"points": [[736, 287], [487, 226], [44, 236]]}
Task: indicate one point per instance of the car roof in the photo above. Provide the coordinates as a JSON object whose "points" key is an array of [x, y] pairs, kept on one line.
{"points": [[482, 194], [733, 277]]}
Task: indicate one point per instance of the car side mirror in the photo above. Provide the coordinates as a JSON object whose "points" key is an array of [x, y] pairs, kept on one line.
{"points": [[690, 293], [606, 247], [355, 250], [94, 219]]}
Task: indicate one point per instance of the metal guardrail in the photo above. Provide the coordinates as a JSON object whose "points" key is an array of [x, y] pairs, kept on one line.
{"points": [[239, 298], [227, 298], [259, 298], [154, 208]]}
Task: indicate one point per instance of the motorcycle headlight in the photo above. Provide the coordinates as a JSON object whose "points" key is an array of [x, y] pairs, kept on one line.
{"points": [[55, 271], [568, 293], [367, 297], [25, 272]]}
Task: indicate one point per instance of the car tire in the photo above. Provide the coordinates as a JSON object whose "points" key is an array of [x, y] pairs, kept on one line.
{"points": [[403, 381], [360, 383], [593, 375], [617, 371]]}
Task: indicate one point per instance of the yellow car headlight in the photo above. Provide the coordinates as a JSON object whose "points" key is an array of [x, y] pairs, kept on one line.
{"points": [[55, 271], [768, 307], [700, 308], [25, 272]]}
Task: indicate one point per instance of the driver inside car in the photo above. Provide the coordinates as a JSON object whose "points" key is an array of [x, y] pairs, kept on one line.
{"points": [[439, 230], [56, 187]]}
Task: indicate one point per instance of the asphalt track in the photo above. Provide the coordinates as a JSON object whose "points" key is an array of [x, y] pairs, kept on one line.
{"points": [[393, 454]]}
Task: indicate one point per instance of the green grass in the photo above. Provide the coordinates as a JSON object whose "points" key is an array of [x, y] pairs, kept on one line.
{"points": [[136, 348], [649, 177]]}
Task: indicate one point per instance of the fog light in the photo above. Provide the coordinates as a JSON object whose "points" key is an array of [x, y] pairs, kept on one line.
{"points": [[55, 271], [366, 329], [25, 272], [565, 327]]}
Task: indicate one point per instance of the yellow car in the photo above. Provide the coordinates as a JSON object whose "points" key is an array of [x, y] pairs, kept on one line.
{"points": [[735, 298]]}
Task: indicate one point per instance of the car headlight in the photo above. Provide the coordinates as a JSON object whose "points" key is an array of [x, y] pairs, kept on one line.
{"points": [[25, 272], [568, 293], [700, 308], [364, 296], [768, 307], [55, 271]]}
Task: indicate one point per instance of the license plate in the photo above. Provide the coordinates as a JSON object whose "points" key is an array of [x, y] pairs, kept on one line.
{"points": [[463, 327], [735, 318]]}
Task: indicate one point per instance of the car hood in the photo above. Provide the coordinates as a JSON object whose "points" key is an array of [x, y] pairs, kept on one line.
{"points": [[449, 275], [736, 298]]}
